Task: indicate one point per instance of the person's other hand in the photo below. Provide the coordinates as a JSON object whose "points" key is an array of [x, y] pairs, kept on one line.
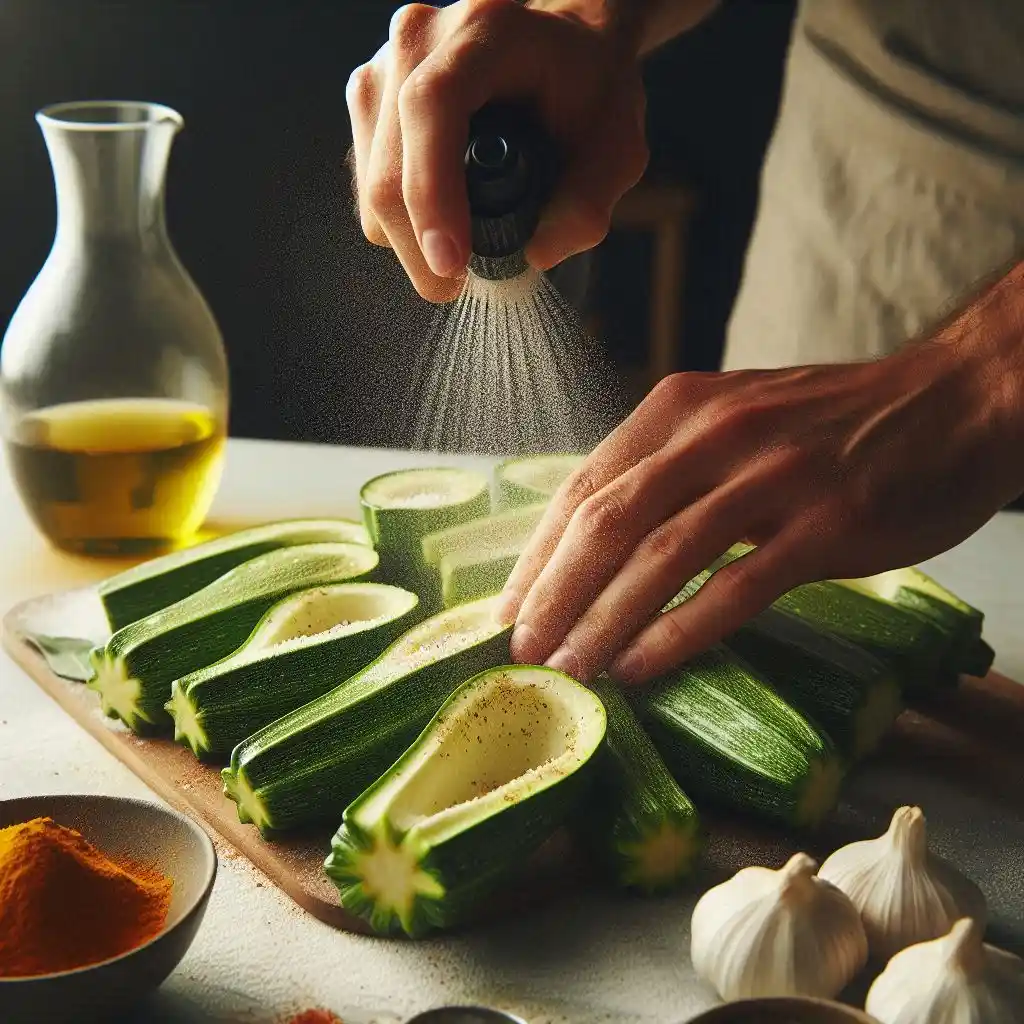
{"points": [[410, 108], [832, 471]]}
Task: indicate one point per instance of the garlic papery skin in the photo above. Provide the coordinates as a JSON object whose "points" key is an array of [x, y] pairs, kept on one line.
{"points": [[956, 979], [904, 893], [777, 933]]}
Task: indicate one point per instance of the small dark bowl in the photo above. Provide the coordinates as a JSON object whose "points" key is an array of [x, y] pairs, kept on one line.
{"points": [[465, 1015], [789, 1010], [120, 827]]}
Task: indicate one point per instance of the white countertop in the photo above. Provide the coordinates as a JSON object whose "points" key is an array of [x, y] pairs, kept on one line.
{"points": [[257, 956]]}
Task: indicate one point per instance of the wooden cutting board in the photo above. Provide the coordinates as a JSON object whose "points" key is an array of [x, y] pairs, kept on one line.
{"points": [[973, 737]]}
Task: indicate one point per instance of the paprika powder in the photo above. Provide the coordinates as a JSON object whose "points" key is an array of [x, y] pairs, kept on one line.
{"points": [[64, 904]]}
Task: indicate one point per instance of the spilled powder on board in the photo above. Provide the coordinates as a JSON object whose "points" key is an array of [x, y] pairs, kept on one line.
{"points": [[508, 369]]}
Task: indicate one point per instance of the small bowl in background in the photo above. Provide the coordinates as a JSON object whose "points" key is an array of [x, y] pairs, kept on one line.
{"points": [[137, 830], [788, 1010]]}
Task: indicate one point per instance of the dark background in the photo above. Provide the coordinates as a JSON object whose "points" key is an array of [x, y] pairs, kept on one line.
{"points": [[259, 202]]}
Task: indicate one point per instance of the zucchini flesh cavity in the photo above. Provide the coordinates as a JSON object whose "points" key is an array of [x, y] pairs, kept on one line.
{"points": [[400, 508], [642, 827], [304, 646], [134, 671], [852, 695], [534, 479], [727, 736], [311, 763], [159, 582], [495, 773], [468, 575]]}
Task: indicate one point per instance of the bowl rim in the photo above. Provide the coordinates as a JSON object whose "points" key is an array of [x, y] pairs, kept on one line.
{"points": [[713, 1013], [149, 805]]}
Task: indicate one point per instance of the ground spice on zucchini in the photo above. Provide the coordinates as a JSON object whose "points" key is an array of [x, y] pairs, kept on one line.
{"points": [[64, 904]]}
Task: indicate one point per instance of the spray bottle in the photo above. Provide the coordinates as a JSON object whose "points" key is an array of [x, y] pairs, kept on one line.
{"points": [[510, 171]]}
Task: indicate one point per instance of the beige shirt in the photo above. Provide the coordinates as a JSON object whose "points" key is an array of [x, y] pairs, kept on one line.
{"points": [[894, 181]]}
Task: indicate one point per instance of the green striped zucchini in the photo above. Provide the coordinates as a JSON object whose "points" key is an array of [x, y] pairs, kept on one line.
{"points": [[308, 765], [134, 671], [851, 694], [503, 764], [536, 478], [159, 582], [912, 589], [642, 828], [402, 507], [303, 646], [730, 738], [476, 558]]}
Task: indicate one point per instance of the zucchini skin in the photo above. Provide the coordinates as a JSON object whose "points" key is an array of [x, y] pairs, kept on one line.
{"points": [[233, 701], [161, 582], [178, 639], [633, 799], [469, 866], [826, 678], [915, 646], [310, 764], [729, 738]]}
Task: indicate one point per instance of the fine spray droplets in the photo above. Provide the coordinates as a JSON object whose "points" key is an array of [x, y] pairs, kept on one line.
{"points": [[507, 370]]}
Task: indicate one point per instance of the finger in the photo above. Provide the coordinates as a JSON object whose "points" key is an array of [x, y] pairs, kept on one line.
{"points": [[604, 535], [578, 216], [731, 596], [490, 52], [644, 431], [362, 96], [410, 39], [666, 559]]}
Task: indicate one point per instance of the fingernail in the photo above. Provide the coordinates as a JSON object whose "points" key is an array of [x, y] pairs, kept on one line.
{"points": [[629, 666], [523, 645], [565, 660], [441, 252]]}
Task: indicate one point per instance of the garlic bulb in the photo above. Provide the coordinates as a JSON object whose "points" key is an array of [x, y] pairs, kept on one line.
{"points": [[777, 933], [904, 893], [956, 979]]}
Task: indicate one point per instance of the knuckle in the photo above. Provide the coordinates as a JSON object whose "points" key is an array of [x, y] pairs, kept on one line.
{"points": [[383, 193], [361, 88], [662, 544], [674, 388], [578, 487], [426, 86], [601, 514], [408, 22], [489, 12]]}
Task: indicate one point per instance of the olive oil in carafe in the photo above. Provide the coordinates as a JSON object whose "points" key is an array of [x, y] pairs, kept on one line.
{"points": [[118, 476]]}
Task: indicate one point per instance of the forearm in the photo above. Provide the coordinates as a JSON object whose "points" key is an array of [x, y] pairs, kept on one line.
{"points": [[641, 25]]}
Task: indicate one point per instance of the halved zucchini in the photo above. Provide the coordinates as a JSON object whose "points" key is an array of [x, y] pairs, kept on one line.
{"points": [[309, 764], [499, 768], [729, 737], [159, 582], [643, 829], [851, 694], [134, 671], [476, 558], [400, 508], [534, 479], [912, 589], [304, 646]]}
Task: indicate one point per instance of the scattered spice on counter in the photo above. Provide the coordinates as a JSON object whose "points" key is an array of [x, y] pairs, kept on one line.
{"points": [[315, 1017], [64, 904]]}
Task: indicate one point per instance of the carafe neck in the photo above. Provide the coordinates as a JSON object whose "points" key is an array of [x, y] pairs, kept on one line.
{"points": [[109, 165]]}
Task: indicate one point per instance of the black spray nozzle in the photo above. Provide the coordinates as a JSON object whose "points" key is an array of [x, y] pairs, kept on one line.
{"points": [[509, 174]]}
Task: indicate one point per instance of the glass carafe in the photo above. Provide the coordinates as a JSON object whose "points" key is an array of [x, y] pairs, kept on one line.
{"points": [[113, 376]]}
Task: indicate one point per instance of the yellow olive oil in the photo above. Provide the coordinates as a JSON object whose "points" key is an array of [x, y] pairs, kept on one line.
{"points": [[118, 476]]}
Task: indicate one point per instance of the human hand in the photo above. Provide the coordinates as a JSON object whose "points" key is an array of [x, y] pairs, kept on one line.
{"points": [[411, 105], [832, 471]]}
